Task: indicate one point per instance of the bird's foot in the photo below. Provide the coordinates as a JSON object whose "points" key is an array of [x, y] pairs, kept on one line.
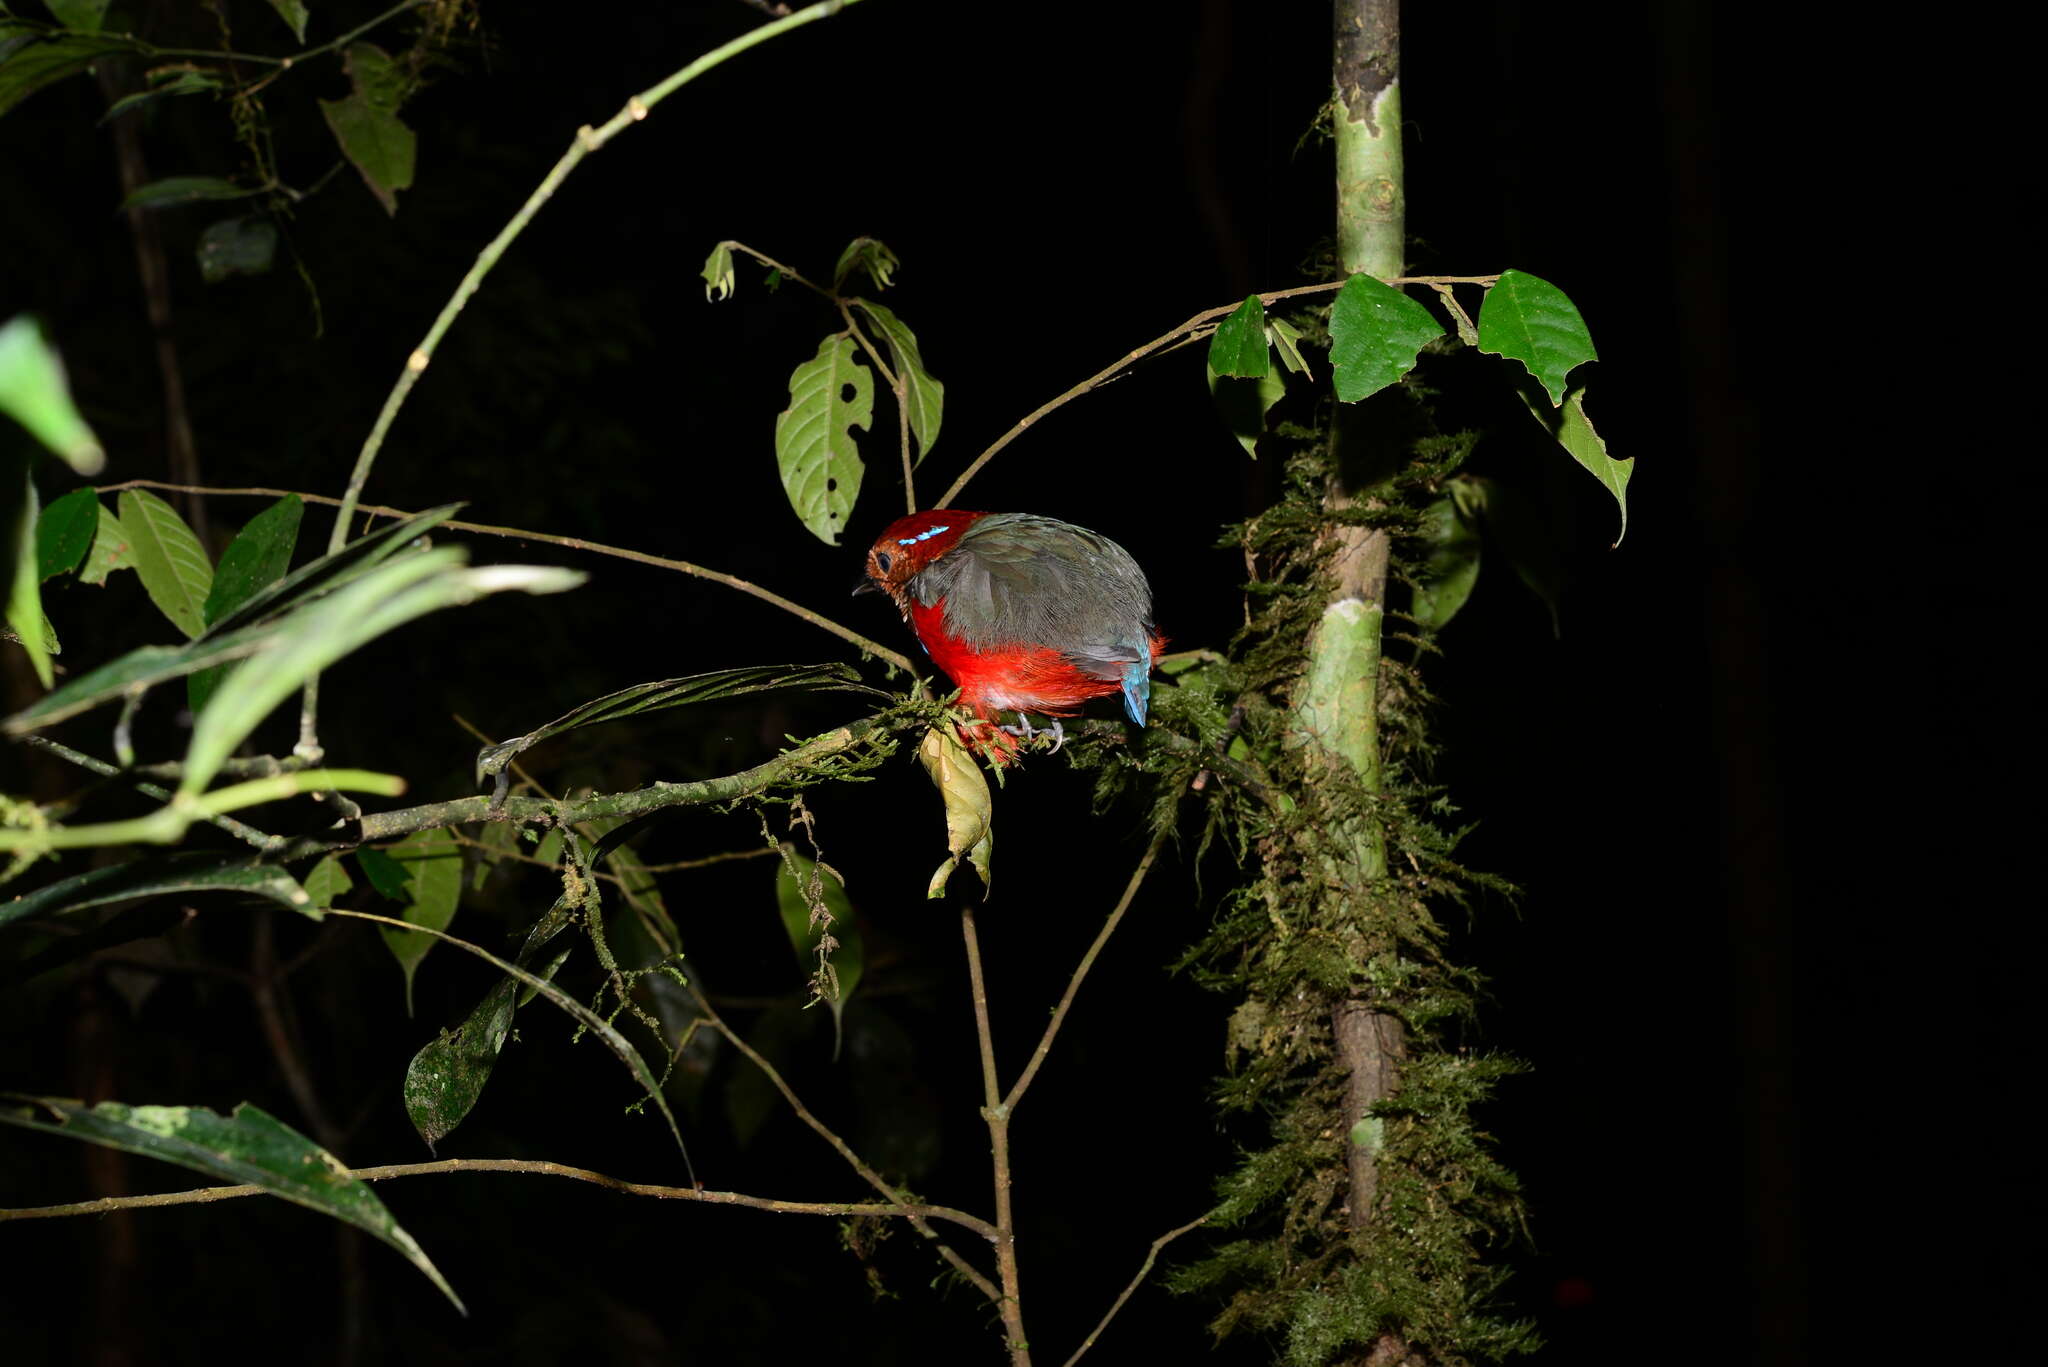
{"points": [[1024, 730]]}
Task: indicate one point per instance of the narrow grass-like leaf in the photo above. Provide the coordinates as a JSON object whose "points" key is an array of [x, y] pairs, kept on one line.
{"points": [[34, 392], [249, 1146], [666, 693], [433, 863], [1238, 346], [24, 594], [312, 639], [1286, 339], [156, 877], [1376, 333], [110, 550], [829, 396], [64, 533], [169, 558], [162, 194], [924, 397], [969, 808], [1530, 320], [330, 572]]}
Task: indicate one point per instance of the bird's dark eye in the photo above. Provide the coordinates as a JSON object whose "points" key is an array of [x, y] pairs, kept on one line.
{"points": [[882, 559]]}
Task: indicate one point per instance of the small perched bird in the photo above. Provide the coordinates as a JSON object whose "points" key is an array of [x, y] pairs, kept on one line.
{"points": [[1023, 612]]}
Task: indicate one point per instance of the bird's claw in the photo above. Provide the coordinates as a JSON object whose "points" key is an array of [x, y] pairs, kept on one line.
{"points": [[1024, 730]]}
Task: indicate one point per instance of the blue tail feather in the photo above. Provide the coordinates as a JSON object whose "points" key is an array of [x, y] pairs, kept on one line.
{"points": [[1138, 684]]}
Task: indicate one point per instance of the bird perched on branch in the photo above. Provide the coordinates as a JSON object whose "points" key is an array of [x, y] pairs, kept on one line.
{"points": [[1025, 613]]}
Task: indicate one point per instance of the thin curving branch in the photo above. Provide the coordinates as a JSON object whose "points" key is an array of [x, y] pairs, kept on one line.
{"points": [[1130, 1289], [997, 1113]]}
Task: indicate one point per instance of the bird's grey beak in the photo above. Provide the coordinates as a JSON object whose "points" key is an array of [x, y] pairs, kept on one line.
{"points": [[866, 585]]}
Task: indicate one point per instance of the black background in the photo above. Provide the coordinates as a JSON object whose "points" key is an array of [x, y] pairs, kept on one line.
{"points": [[1671, 778]]}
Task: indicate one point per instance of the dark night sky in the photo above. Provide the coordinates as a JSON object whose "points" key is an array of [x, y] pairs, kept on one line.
{"points": [[1667, 779]]}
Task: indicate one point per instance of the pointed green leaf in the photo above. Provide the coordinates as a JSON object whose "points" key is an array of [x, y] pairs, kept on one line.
{"points": [[1376, 332], [169, 558], [155, 877], [924, 397], [1450, 566], [445, 1078], [162, 194], [801, 898], [257, 558], [969, 809], [293, 12], [866, 254], [250, 1146], [433, 862], [138, 670], [1238, 346], [666, 693], [1243, 405], [366, 124], [717, 273], [1286, 339], [24, 590], [327, 881], [65, 531], [110, 550], [164, 84], [1530, 320], [34, 392], [80, 16], [30, 61], [829, 395], [386, 874], [318, 578], [243, 245], [1575, 433]]}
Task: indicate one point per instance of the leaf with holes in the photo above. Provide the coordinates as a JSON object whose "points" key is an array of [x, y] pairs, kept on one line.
{"points": [[829, 396], [1376, 334], [249, 1146], [924, 397], [1530, 320], [169, 558]]}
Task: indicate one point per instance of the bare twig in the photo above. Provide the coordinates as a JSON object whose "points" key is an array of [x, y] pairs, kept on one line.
{"points": [[1144, 1270], [997, 1113], [245, 833]]}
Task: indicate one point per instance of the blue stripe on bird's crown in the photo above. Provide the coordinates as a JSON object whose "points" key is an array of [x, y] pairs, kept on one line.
{"points": [[925, 535]]}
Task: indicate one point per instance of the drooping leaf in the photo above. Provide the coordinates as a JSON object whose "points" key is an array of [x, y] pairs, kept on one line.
{"points": [[366, 124], [800, 898], [80, 16], [1286, 339], [34, 392], [1450, 566], [327, 881], [1530, 320], [829, 395], [666, 693], [23, 592], [866, 254], [169, 558], [249, 1146], [445, 1078], [243, 245], [64, 533], [969, 809], [110, 550], [162, 194], [433, 859], [29, 61], [924, 397], [294, 14], [160, 875], [1243, 405], [717, 273], [386, 874], [314, 637], [1376, 333], [164, 84], [1575, 433], [331, 571], [1238, 346]]}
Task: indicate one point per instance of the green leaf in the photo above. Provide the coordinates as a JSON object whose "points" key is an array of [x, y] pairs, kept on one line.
{"points": [[24, 594], [1238, 346], [243, 245], [293, 12], [1286, 339], [444, 1079], [327, 881], [1532, 321], [80, 16], [717, 273], [366, 124], [814, 905], [318, 578], [1243, 405], [169, 558], [1451, 565], [814, 445], [162, 194], [138, 670], [1575, 433], [110, 550], [249, 1146], [314, 637], [662, 694], [34, 393], [30, 61], [257, 558], [924, 397], [969, 809], [866, 254], [1376, 333], [164, 83], [65, 531], [154, 877], [386, 874], [433, 859]]}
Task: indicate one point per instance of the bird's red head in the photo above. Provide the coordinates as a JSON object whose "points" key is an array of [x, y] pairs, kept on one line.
{"points": [[911, 543]]}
